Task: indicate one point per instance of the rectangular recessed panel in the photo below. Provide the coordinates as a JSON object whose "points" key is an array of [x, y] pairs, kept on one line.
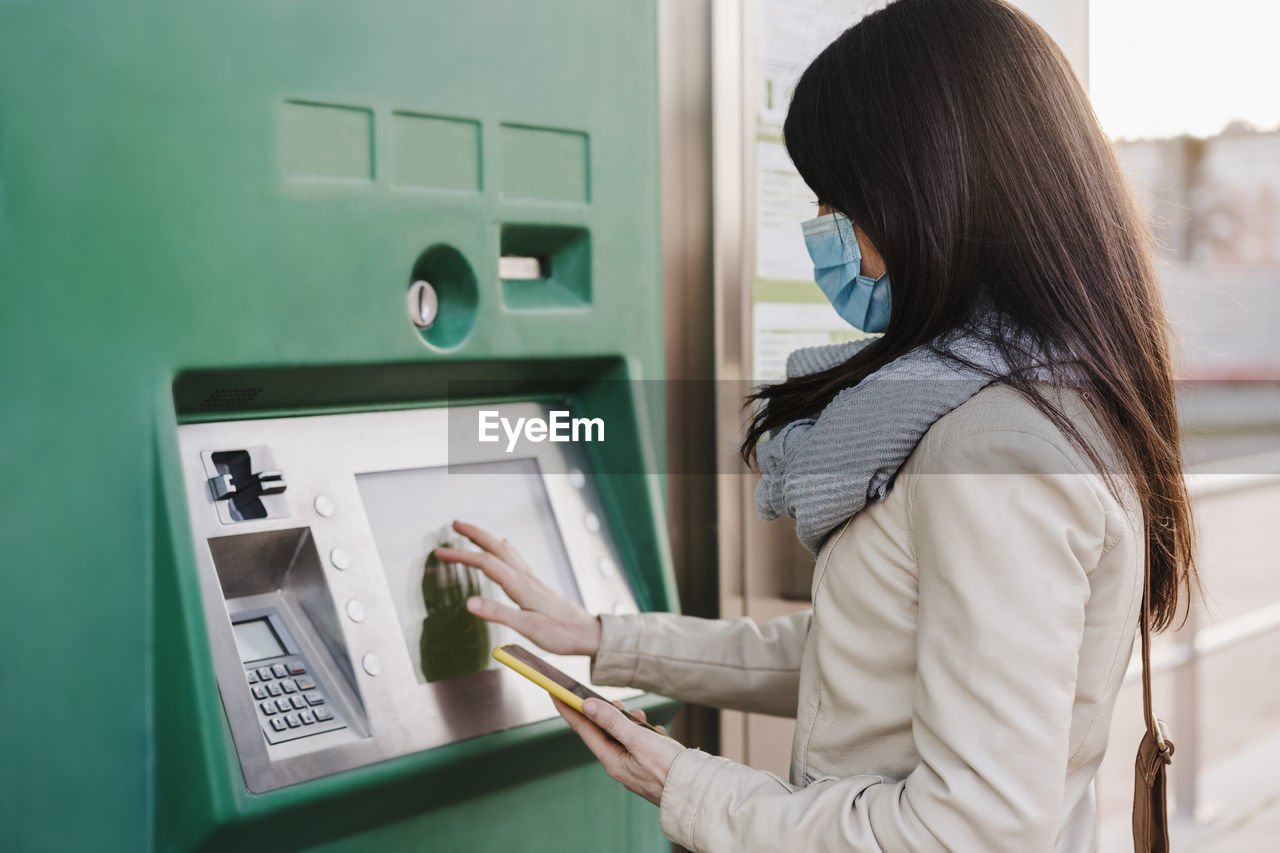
{"points": [[435, 153], [542, 163], [325, 141], [545, 267]]}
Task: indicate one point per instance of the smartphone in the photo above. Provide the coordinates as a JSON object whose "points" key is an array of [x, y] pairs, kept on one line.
{"points": [[558, 684]]}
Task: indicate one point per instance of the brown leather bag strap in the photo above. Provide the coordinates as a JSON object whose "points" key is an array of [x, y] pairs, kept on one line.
{"points": [[1155, 752]]}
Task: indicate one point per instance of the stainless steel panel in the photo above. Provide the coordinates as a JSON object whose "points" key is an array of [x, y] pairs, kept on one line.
{"points": [[322, 456]]}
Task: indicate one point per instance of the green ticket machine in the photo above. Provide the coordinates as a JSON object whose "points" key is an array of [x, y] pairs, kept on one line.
{"points": [[269, 271]]}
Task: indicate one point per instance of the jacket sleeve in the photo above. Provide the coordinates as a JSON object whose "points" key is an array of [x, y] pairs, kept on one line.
{"points": [[725, 663], [1003, 561]]}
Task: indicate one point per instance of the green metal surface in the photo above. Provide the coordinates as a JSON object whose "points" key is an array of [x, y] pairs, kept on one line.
{"points": [[213, 211]]}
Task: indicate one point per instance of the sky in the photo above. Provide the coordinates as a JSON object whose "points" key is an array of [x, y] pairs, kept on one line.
{"points": [[1166, 67]]}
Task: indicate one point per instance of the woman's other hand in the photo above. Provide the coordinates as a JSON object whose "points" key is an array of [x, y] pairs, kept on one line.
{"points": [[545, 616], [635, 756]]}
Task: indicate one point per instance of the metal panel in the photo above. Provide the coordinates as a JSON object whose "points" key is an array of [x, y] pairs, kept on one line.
{"points": [[685, 107], [324, 458]]}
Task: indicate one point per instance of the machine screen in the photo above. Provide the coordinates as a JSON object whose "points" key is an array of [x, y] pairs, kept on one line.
{"points": [[410, 511], [257, 640]]}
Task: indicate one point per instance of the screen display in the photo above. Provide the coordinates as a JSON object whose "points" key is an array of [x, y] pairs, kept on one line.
{"points": [[257, 640], [410, 512]]}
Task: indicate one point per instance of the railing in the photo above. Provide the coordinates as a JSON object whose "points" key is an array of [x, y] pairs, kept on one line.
{"points": [[1195, 643]]}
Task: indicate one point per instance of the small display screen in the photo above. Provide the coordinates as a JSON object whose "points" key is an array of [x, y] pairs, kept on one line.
{"points": [[257, 640], [409, 512]]}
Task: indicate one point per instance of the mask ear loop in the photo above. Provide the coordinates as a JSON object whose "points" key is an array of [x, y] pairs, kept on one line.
{"points": [[852, 235]]}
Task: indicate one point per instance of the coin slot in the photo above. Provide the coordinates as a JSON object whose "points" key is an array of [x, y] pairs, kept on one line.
{"points": [[455, 293]]}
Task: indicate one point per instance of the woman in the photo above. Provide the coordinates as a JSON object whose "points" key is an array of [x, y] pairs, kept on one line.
{"points": [[981, 483]]}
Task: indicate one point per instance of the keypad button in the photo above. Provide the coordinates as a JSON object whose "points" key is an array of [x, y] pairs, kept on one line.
{"points": [[323, 714], [314, 698], [283, 704], [289, 685], [259, 691], [307, 718], [265, 673], [268, 708], [278, 723], [298, 702], [274, 689], [292, 720], [296, 668], [252, 675], [279, 670], [305, 684]]}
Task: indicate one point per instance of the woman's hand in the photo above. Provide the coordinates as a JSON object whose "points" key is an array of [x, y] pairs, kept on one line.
{"points": [[636, 757], [545, 616]]}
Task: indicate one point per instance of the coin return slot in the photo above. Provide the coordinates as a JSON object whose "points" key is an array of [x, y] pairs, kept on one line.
{"points": [[545, 267]]}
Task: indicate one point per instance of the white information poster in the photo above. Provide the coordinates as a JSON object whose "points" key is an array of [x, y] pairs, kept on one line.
{"points": [[788, 309]]}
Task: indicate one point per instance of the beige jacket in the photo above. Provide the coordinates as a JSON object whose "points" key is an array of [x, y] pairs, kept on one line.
{"points": [[954, 681]]}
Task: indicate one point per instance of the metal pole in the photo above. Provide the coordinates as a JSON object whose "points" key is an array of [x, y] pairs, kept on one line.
{"points": [[1186, 687]]}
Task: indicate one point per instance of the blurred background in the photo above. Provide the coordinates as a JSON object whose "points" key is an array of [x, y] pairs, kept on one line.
{"points": [[1186, 90]]}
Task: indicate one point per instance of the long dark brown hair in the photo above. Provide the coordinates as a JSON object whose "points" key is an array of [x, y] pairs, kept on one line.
{"points": [[956, 136]]}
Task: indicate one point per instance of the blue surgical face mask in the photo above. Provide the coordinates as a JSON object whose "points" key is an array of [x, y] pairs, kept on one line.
{"points": [[837, 268]]}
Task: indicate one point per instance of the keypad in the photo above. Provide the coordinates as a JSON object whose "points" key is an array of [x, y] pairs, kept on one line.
{"points": [[289, 702]]}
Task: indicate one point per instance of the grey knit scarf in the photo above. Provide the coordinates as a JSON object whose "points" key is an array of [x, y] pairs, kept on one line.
{"points": [[820, 471]]}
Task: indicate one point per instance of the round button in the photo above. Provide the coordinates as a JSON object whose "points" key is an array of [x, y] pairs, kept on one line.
{"points": [[607, 567], [355, 610], [591, 521], [371, 664], [340, 559], [323, 505], [576, 478]]}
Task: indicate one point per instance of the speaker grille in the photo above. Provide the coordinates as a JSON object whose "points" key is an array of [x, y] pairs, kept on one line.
{"points": [[230, 398]]}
